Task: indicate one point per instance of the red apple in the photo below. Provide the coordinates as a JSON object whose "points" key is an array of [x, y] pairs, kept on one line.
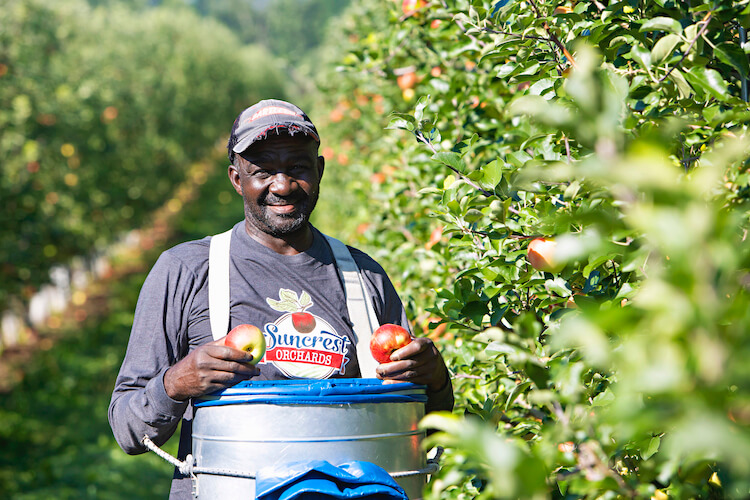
{"points": [[247, 338], [410, 7], [303, 322], [407, 80], [386, 339], [541, 255]]}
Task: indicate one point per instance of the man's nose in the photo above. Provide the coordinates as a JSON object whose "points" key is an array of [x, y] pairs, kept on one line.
{"points": [[282, 184]]}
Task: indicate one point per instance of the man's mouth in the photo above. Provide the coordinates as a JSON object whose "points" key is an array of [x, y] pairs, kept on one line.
{"points": [[281, 206], [282, 209]]}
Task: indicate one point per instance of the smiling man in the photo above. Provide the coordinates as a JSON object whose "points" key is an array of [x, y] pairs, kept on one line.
{"points": [[279, 266]]}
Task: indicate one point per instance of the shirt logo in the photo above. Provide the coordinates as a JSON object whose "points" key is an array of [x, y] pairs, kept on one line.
{"points": [[301, 344]]}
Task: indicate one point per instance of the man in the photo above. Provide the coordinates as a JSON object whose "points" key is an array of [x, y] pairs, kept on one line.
{"points": [[279, 263]]}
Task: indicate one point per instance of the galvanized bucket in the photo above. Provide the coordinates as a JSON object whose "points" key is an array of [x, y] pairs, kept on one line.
{"points": [[252, 425]]}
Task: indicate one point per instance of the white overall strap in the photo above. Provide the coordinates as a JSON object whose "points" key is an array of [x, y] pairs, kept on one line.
{"points": [[218, 284], [360, 309]]}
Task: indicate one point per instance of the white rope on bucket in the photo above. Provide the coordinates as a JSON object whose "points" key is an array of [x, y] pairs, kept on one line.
{"points": [[188, 467]]}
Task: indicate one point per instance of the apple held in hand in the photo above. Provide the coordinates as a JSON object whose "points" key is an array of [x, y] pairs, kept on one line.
{"points": [[386, 339], [247, 338], [541, 255]]}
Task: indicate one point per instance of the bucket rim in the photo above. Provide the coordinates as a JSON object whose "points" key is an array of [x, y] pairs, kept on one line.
{"points": [[307, 391]]}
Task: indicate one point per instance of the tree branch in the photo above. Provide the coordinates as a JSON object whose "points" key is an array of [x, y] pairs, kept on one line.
{"points": [[705, 22]]}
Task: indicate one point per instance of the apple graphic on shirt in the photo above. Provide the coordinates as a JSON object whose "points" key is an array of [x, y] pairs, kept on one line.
{"points": [[303, 322], [247, 338], [386, 339]]}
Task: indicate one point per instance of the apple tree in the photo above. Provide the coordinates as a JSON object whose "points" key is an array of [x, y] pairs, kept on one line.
{"points": [[102, 113], [619, 131]]}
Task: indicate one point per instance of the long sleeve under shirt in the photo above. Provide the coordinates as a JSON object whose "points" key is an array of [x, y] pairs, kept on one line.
{"points": [[172, 318]]}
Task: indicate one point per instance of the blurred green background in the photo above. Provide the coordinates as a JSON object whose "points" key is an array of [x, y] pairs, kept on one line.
{"points": [[114, 117]]}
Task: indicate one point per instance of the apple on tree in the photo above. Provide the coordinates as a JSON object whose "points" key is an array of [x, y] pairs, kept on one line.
{"points": [[411, 7], [386, 339], [541, 255], [406, 80], [247, 338]]}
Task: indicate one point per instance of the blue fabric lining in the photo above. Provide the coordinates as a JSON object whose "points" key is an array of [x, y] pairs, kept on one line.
{"points": [[320, 479]]}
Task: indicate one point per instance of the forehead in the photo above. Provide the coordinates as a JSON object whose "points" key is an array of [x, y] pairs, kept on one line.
{"points": [[281, 146]]}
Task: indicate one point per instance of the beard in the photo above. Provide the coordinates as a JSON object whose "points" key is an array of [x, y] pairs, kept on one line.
{"points": [[279, 225]]}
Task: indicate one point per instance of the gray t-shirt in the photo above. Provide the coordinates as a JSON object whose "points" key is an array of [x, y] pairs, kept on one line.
{"points": [[266, 288]]}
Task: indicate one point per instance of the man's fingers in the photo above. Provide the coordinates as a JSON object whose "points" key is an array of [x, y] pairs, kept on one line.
{"points": [[419, 362], [220, 351], [419, 347], [231, 375], [408, 370], [226, 359]]}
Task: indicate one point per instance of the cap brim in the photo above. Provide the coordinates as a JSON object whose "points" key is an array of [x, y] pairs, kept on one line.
{"points": [[292, 128]]}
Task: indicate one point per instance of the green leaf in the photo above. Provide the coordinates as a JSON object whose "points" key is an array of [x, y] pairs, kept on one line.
{"points": [[681, 83], [542, 87], [664, 48], [473, 215], [653, 447], [419, 110], [517, 391], [708, 80], [401, 123], [493, 173], [621, 40], [662, 24], [733, 55], [642, 56], [495, 348], [572, 190], [604, 398], [507, 69], [475, 311], [429, 190], [538, 374], [451, 159], [558, 286], [518, 158], [594, 262]]}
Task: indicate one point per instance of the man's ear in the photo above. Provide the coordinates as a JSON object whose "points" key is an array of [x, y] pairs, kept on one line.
{"points": [[321, 166], [234, 178]]}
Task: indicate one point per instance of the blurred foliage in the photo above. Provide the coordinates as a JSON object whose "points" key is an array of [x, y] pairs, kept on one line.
{"points": [[54, 432], [289, 29], [615, 129], [100, 111]]}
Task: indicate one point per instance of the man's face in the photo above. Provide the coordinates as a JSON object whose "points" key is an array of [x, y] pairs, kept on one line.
{"points": [[278, 178]]}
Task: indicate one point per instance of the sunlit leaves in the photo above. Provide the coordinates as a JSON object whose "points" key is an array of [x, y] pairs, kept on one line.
{"points": [[607, 127]]}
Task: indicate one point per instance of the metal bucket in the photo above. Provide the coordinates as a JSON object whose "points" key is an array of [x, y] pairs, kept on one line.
{"points": [[252, 425]]}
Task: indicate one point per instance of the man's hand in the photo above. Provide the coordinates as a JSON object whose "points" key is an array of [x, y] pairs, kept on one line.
{"points": [[419, 362], [208, 368]]}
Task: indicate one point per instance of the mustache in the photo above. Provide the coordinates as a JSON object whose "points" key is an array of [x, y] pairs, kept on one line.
{"points": [[272, 199]]}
